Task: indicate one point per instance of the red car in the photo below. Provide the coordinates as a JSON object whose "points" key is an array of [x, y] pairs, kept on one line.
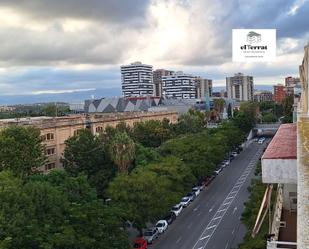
{"points": [[140, 243]]}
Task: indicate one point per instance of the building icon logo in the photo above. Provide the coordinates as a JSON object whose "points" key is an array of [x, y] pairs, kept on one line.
{"points": [[253, 37]]}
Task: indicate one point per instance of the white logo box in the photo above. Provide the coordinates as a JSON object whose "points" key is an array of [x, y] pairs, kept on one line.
{"points": [[254, 45]]}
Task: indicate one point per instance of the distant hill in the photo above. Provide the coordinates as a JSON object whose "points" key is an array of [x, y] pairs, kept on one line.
{"points": [[59, 97], [81, 96]]}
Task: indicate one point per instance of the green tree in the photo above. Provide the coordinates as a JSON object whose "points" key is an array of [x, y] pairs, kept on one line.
{"points": [[191, 122], [84, 153], [288, 109], [219, 105], [143, 195], [122, 151], [21, 150], [200, 152], [229, 111], [56, 211], [176, 171], [145, 155], [268, 117], [151, 133]]}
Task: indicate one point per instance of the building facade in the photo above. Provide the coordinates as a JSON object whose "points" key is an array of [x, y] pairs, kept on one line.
{"points": [[292, 81], [203, 87], [137, 80], [285, 164], [279, 93], [157, 80], [240, 87], [262, 96], [55, 131], [179, 86]]}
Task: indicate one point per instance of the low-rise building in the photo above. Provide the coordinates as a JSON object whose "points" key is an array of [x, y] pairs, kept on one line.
{"points": [[262, 96], [56, 130]]}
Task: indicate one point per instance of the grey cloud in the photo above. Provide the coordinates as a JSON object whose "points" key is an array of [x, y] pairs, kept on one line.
{"points": [[100, 10], [96, 45], [214, 43]]}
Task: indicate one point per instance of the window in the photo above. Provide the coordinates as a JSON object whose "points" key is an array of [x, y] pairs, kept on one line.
{"points": [[50, 166], [99, 129], [76, 132], [48, 136], [50, 151]]}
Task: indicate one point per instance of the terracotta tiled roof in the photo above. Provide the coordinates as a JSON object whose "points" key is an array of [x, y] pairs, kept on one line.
{"points": [[283, 145]]}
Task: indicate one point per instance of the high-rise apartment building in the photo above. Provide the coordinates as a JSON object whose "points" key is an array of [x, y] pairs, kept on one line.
{"points": [[292, 81], [290, 84], [179, 86], [137, 80], [157, 80], [279, 93], [203, 87], [240, 87]]}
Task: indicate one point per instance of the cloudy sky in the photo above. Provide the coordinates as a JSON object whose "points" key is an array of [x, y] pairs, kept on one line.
{"points": [[65, 46]]}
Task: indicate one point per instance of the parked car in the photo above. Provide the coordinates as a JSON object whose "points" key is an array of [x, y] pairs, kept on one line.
{"points": [[234, 153], [185, 201], [260, 141], [140, 243], [226, 162], [196, 191], [177, 209], [201, 186], [217, 171], [191, 195], [151, 234], [231, 157], [222, 165], [170, 218], [162, 226], [239, 149]]}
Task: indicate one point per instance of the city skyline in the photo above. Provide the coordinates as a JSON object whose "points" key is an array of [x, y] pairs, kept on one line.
{"points": [[63, 47]]}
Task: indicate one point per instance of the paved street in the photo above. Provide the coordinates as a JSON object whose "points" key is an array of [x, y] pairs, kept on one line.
{"points": [[212, 221]]}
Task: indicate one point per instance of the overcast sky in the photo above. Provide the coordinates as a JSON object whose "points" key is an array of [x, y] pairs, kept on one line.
{"points": [[54, 46]]}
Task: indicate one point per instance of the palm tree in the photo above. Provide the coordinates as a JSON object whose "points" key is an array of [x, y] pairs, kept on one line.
{"points": [[219, 105], [122, 151]]}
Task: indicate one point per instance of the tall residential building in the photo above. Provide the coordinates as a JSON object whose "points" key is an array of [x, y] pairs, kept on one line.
{"points": [[137, 80], [279, 93], [261, 96], [302, 156], [179, 86], [157, 80], [240, 87], [292, 81], [290, 84], [203, 87], [285, 165]]}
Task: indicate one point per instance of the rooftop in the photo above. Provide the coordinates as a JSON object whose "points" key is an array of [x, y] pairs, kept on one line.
{"points": [[284, 143]]}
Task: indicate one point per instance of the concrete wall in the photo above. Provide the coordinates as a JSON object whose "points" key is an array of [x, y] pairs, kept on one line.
{"points": [[289, 193], [279, 171]]}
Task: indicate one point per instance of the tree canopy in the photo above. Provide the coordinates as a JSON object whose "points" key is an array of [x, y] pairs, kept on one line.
{"points": [[56, 211], [21, 150]]}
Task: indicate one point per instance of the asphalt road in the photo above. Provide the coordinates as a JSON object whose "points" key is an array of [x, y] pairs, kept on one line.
{"points": [[212, 221]]}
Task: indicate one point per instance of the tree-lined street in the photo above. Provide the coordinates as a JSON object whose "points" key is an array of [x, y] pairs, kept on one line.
{"points": [[213, 219]]}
